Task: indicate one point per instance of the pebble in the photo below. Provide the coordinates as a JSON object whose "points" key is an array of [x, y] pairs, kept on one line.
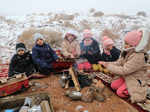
{"points": [[80, 108]]}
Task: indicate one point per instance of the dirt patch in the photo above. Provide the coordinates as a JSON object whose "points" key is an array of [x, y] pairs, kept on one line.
{"points": [[61, 103]]}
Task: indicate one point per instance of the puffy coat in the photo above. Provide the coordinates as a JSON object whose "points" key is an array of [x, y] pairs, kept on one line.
{"points": [[68, 48], [21, 64], [114, 55], [133, 69], [90, 52], [43, 57]]}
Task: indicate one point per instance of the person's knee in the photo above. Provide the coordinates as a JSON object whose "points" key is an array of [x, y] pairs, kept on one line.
{"points": [[122, 93], [117, 83], [119, 93], [114, 85]]}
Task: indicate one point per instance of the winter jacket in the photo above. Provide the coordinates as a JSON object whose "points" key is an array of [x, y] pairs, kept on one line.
{"points": [[68, 48], [114, 55], [133, 69], [91, 52], [43, 57], [21, 64]]}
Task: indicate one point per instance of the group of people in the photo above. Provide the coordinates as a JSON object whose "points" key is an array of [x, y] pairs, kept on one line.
{"points": [[128, 65], [43, 56], [40, 60]]}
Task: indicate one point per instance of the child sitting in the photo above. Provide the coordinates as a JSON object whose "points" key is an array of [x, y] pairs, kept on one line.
{"points": [[131, 66], [89, 47], [43, 55], [110, 52], [70, 46], [21, 62]]}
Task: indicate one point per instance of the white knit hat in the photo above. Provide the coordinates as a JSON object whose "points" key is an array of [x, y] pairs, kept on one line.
{"points": [[37, 36]]}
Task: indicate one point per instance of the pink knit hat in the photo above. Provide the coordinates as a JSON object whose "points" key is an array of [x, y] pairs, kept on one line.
{"points": [[104, 38], [107, 41], [133, 38], [87, 33]]}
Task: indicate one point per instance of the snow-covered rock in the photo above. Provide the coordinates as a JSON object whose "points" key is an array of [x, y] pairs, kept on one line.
{"points": [[11, 27]]}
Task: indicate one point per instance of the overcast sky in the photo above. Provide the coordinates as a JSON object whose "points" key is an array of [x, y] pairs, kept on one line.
{"points": [[21, 7]]}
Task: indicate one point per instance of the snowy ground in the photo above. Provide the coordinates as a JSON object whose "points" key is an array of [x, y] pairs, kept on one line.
{"points": [[13, 26]]}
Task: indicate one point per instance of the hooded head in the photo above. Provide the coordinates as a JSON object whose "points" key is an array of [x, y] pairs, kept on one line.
{"points": [[145, 40], [139, 39], [70, 36], [107, 44], [37, 36], [87, 34], [20, 46], [133, 38], [104, 38]]}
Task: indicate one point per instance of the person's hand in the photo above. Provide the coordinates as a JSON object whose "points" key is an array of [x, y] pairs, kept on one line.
{"points": [[83, 52], [74, 51], [103, 63], [57, 60], [72, 56], [89, 52]]}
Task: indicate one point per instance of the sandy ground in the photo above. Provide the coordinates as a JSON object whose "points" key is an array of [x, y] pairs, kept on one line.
{"points": [[61, 103]]}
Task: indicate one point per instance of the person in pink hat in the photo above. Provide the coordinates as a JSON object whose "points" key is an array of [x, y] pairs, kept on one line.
{"points": [[110, 52], [89, 47], [130, 69]]}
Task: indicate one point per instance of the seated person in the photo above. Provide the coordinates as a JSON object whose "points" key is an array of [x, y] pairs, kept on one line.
{"points": [[110, 52], [43, 55], [89, 47], [130, 68], [70, 46], [21, 62]]}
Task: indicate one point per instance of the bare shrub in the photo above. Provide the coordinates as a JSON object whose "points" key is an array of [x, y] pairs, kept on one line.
{"points": [[67, 24], [98, 14], [133, 27], [117, 27], [49, 14], [9, 21], [123, 16], [51, 37], [92, 10], [60, 17], [2, 18], [85, 24], [141, 13], [110, 34], [63, 17], [42, 14], [76, 14]]}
